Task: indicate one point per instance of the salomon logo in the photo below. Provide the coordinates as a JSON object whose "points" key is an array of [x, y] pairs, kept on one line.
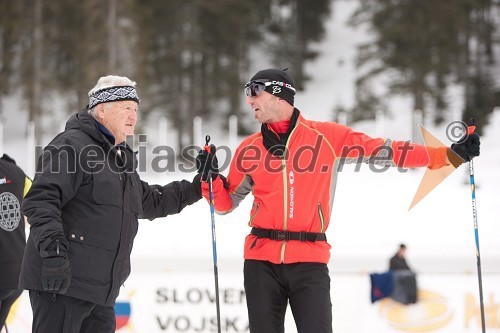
{"points": [[291, 194]]}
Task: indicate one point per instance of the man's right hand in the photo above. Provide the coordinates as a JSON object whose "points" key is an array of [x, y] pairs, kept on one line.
{"points": [[56, 274], [206, 162]]}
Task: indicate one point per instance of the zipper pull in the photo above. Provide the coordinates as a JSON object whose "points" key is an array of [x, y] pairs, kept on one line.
{"points": [[57, 246], [254, 243]]}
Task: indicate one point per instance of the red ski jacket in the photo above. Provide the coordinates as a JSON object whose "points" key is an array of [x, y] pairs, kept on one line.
{"points": [[296, 193]]}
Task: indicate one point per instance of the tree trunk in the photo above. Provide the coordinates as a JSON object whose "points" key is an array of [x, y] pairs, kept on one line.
{"points": [[35, 100], [112, 36], [418, 106], [300, 48]]}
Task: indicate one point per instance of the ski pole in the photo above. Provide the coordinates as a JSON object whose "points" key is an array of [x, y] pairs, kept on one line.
{"points": [[470, 131], [214, 241]]}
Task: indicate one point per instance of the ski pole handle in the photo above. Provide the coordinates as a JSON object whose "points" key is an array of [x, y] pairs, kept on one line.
{"points": [[207, 141], [471, 130]]}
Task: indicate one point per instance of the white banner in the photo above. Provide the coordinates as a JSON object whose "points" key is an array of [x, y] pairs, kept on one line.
{"points": [[185, 302]]}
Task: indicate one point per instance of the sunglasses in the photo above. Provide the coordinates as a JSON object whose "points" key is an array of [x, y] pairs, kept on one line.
{"points": [[255, 88]]}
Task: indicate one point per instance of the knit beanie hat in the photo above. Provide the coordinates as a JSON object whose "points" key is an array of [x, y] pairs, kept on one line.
{"points": [[282, 84], [112, 88]]}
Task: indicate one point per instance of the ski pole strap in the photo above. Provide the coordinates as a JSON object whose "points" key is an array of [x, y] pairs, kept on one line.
{"points": [[281, 235]]}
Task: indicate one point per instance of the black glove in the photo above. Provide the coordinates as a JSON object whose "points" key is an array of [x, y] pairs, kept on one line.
{"points": [[197, 185], [224, 182], [207, 162], [56, 274], [467, 147]]}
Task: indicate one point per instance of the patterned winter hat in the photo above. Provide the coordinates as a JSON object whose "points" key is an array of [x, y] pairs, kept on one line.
{"points": [[112, 88]]}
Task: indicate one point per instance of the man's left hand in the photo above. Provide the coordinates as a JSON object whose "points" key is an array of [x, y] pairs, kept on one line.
{"points": [[467, 147]]}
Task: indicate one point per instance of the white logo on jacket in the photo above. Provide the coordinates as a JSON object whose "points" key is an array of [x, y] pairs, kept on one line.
{"points": [[291, 180], [10, 212]]}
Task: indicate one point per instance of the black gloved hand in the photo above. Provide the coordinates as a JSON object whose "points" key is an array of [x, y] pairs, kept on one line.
{"points": [[206, 162], [467, 147], [197, 185], [224, 182], [56, 274]]}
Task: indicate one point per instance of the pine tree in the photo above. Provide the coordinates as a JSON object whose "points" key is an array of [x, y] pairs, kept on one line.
{"points": [[425, 46], [293, 26]]}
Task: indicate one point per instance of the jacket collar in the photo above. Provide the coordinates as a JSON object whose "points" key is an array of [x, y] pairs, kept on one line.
{"points": [[84, 122], [276, 143]]}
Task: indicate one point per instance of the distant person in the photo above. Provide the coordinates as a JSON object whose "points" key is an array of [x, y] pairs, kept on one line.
{"points": [[13, 186], [84, 207], [398, 261], [404, 279], [291, 167]]}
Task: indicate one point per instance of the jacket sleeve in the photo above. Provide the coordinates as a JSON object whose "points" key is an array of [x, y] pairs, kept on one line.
{"points": [[160, 201], [239, 184], [356, 147], [57, 180]]}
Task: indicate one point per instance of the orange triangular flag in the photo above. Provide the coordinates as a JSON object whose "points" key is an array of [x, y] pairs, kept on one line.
{"points": [[432, 178]]}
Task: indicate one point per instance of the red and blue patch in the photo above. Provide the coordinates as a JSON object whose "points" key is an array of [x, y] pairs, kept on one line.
{"points": [[122, 313]]}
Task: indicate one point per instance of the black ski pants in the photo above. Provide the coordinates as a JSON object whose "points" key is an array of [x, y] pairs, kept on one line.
{"points": [[269, 287], [7, 298], [54, 313]]}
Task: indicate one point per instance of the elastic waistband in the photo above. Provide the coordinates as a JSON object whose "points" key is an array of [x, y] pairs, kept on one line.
{"points": [[282, 235]]}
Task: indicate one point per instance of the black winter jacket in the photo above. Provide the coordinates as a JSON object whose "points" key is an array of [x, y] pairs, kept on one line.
{"points": [[87, 194], [397, 263], [12, 234]]}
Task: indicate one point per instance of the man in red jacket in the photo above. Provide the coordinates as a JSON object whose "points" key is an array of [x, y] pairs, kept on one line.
{"points": [[291, 167]]}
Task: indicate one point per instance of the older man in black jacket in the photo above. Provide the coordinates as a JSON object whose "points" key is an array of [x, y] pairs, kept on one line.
{"points": [[83, 208]]}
